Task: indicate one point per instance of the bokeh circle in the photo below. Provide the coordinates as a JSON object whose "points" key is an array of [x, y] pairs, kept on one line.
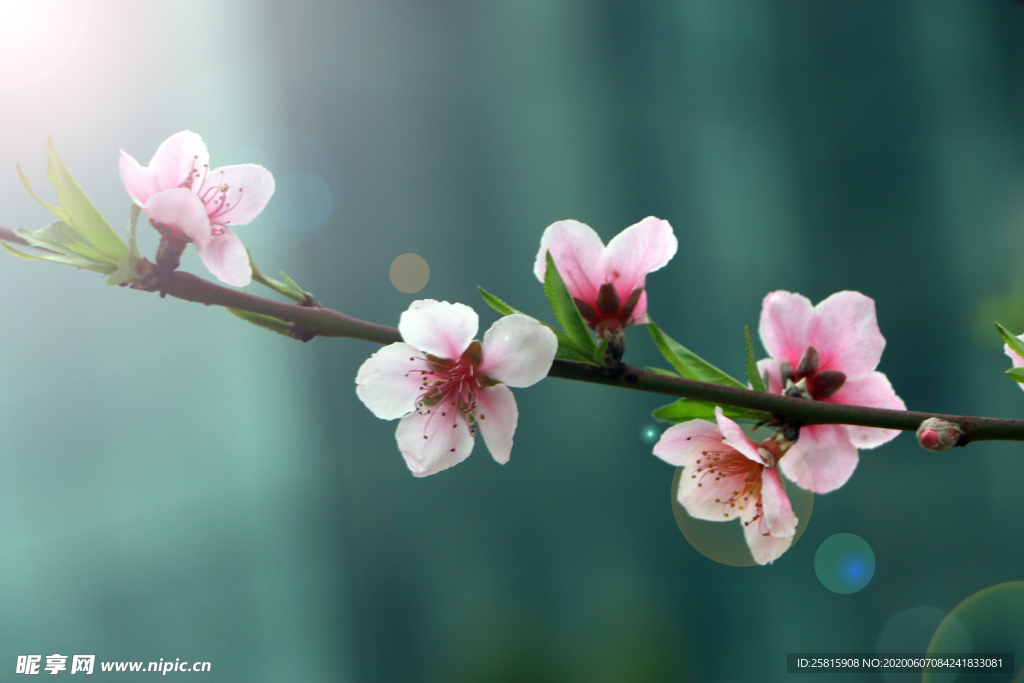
{"points": [[308, 195], [844, 563], [650, 433], [990, 621], [409, 273]]}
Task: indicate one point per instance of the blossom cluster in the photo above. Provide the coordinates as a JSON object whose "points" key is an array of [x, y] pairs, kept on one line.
{"points": [[443, 385]]}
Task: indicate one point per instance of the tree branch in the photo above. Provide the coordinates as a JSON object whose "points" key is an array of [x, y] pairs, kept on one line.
{"points": [[329, 323], [325, 322]]}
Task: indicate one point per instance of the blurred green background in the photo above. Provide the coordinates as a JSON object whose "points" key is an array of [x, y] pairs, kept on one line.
{"points": [[176, 483]]}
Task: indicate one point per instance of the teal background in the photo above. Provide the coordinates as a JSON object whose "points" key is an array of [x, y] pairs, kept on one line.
{"points": [[175, 483]]}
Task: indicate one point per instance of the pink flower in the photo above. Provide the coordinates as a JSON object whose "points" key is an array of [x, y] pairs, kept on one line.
{"points": [[827, 352], [726, 475], [607, 282], [444, 385], [188, 202]]}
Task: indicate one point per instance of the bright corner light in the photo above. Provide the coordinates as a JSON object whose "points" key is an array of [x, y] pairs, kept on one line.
{"points": [[37, 37]]}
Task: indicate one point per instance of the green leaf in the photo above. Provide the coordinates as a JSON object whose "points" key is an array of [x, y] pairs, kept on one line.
{"points": [[687, 363], [126, 268], [566, 312], [496, 303], [288, 287], [660, 371], [65, 259], [566, 354], [55, 236], [1016, 374], [689, 409], [56, 210], [756, 380], [569, 345], [568, 349], [601, 350], [82, 215], [1015, 344], [266, 321]]}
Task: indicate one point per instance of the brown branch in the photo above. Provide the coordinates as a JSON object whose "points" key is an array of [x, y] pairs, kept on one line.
{"points": [[313, 320]]}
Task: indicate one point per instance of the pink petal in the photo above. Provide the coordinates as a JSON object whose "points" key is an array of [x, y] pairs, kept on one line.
{"points": [[699, 492], [250, 187], [683, 444], [636, 251], [844, 329], [784, 321], [778, 512], [176, 157], [518, 351], [448, 441], [829, 458], [182, 212], [579, 256], [873, 391], [388, 382], [774, 374], [764, 547], [735, 438], [225, 256], [497, 416], [439, 328]]}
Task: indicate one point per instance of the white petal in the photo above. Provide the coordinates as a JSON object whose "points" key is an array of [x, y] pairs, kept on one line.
{"points": [[388, 382], [683, 444], [432, 442], [828, 458], [705, 496], [778, 511], [518, 351], [735, 438], [439, 328], [225, 256], [497, 416], [763, 546]]}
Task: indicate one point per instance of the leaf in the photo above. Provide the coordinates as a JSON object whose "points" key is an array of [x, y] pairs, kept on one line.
{"points": [[689, 409], [496, 303], [288, 288], [266, 321], [601, 350], [1016, 374], [568, 349], [1011, 340], [569, 345], [660, 371], [126, 268], [65, 259], [56, 210], [756, 380], [566, 354], [566, 312], [687, 363], [82, 215]]}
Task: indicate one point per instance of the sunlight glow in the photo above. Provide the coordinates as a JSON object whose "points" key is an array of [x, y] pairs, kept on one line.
{"points": [[37, 37]]}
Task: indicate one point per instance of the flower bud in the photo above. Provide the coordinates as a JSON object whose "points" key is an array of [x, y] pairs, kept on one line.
{"points": [[935, 434]]}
